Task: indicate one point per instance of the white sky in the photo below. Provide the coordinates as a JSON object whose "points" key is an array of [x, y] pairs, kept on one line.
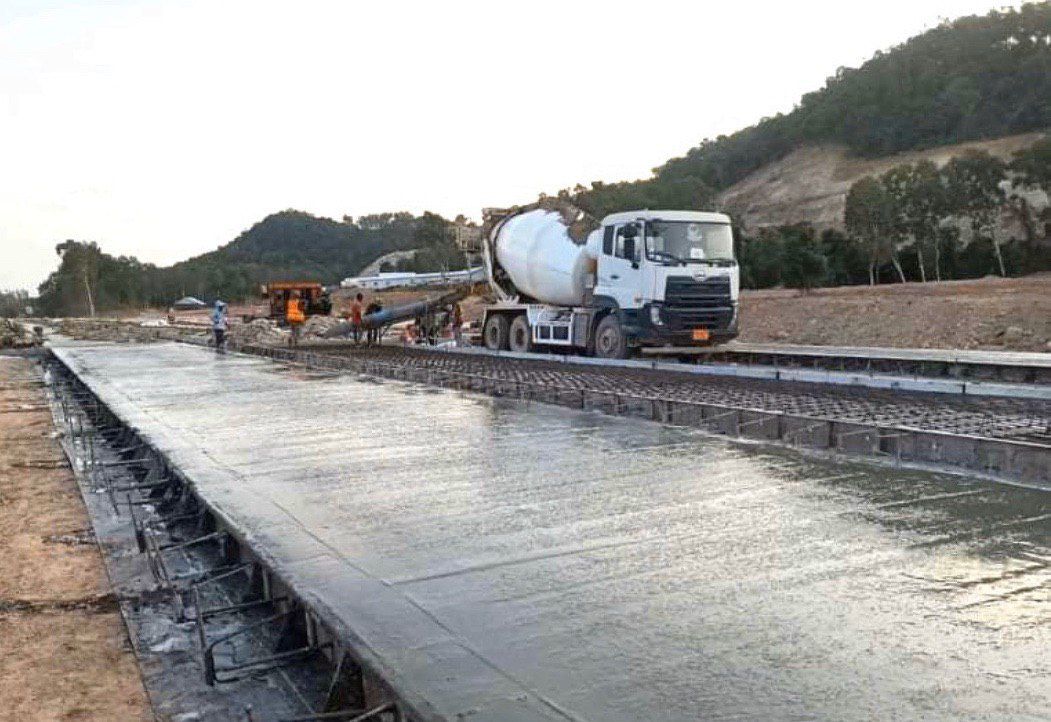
{"points": [[162, 130]]}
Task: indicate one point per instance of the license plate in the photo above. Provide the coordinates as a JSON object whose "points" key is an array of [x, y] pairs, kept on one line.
{"points": [[700, 334]]}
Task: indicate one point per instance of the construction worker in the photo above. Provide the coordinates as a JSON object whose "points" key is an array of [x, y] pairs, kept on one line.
{"points": [[372, 336], [220, 325], [355, 317], [295, 316], [457, 317]]}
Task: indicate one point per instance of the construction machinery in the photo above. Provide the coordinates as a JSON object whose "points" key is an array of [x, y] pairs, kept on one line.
{"points": [[316, 300], [638, 278]]}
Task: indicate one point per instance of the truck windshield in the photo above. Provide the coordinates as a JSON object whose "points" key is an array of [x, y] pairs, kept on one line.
{"points": [[673, 242]]}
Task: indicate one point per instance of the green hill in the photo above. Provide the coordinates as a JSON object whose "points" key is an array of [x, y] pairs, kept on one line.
{"points": [[973, 78], [286, 245]]}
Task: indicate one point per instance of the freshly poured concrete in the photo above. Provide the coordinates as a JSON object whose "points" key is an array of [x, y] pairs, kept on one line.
{"points": [[499, 560]]}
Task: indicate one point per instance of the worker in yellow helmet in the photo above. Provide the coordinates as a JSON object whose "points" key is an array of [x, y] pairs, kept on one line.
{"points": [[295, 315]]}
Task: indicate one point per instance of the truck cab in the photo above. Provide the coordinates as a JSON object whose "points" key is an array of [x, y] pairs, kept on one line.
{"points": [[670, 276]]}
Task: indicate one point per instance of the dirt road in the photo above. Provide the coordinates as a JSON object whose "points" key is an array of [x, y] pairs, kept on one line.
{"points": [[66, 652]]}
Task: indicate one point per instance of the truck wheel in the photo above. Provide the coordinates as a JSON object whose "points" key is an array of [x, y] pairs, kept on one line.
{"points": [[495, 334], [610, 341], [521, 337]]}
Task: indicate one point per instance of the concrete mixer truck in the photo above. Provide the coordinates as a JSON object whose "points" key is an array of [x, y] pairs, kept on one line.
{"points": [[641, 278]]}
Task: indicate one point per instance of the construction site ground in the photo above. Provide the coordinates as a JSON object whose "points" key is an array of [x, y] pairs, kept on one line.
{"points": [[66, 651], [1000, 314], [1006, 314]]}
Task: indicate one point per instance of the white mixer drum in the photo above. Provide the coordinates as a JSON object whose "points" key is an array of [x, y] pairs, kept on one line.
{"points": [[540, 257]]}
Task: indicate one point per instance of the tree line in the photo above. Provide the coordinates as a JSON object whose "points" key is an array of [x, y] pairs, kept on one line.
{"points": [[917, 222], [290, 245]]}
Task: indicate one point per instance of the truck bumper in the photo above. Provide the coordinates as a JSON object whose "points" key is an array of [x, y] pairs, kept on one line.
{"points": [[647, 327]]}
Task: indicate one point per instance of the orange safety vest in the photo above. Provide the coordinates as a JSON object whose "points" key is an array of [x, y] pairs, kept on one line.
{"points": [[294, 311]]}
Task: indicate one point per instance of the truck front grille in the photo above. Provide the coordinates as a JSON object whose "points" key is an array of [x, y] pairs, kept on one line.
{"points": [[691, 303]]}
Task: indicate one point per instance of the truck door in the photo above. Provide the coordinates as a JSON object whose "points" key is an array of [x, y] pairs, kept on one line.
{"points": [[618, 265]]}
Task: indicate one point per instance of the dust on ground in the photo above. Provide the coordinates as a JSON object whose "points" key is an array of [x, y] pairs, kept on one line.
{"points": [[67, 654], [1001, 314]]}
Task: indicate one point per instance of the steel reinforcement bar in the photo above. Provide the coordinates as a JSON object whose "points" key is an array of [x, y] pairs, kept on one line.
{"points": [[1008, 459]]}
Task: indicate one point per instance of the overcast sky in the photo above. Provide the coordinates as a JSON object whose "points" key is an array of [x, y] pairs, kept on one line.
{"points": [[163, 129]]}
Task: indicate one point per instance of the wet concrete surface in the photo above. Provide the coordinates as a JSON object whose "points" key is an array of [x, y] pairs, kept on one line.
{"points": [[503, 560], [1021, 419]]}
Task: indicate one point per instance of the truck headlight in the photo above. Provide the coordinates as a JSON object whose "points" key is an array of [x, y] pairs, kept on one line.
{"points": [[655, 315]]}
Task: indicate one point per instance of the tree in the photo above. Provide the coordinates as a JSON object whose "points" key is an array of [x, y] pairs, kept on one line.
{"points": [[78, 273], [803, 265], [973, 190], [601, 199], [845, 258], [1032, 166], [1031, 170], [13, 303], [759, 257], [919, 207], [869, 217]]}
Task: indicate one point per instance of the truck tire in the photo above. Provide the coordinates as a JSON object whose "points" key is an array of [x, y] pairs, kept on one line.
{"points": [[610, 341], [520, 336], [495, 334]]}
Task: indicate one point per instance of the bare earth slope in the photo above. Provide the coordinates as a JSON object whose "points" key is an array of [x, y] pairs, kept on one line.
{"points": [[811, 183], [1012, 314]]}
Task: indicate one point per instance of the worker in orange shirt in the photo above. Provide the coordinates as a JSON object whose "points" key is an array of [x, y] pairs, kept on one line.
{"points": [[295, 315], [355, 317]]}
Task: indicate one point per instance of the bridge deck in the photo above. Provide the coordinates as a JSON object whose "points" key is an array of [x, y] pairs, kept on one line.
{"points": [[510, 561]]}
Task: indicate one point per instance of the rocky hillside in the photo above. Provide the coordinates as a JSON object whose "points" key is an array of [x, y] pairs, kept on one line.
{"points": [[810, 184]]}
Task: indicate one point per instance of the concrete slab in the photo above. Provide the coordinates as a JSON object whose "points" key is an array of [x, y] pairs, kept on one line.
{"points": [[503, 560]]}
